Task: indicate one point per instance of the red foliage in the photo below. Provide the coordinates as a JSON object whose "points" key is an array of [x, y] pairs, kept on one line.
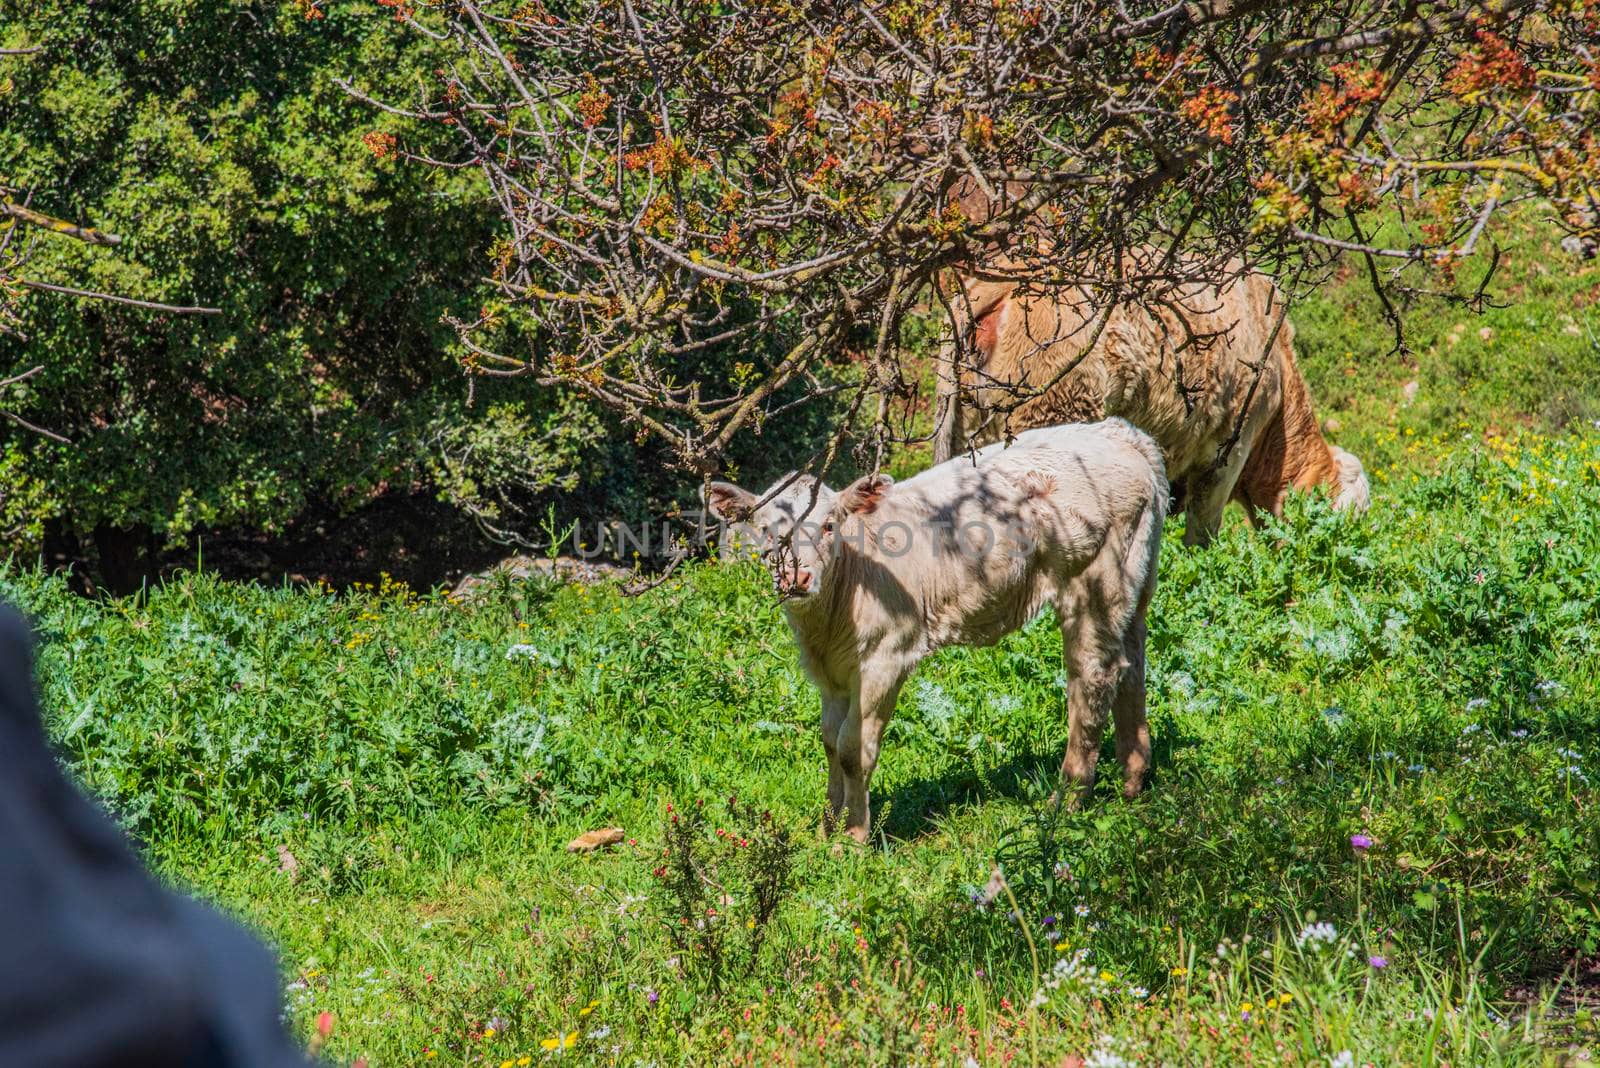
{"points": [[1208, 109], [382, 144], [1353, 88], [594, 104], [1493, 64]]}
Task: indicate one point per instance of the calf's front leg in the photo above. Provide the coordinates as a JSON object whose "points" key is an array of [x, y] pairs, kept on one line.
{"points": [[835, 710], [870, 712]]}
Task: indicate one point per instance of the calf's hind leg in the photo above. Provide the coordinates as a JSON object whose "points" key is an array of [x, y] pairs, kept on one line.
{"points": [[1092, 653], [1133, 729]]}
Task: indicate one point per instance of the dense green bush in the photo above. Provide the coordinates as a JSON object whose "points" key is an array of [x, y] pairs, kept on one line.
{"points": [[217, 140]]}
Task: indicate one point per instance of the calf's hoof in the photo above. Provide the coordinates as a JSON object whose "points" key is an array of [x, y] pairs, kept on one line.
{"points": [[1074, 797]]}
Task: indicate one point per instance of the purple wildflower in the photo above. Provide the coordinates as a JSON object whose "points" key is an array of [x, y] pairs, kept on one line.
{"points": [[652, 997], [1377, 961], [1360, 842], [1048, 921]]}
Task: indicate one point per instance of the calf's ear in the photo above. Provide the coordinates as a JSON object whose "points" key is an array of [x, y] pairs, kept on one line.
{"points": [[728, 502], [863, 495]]}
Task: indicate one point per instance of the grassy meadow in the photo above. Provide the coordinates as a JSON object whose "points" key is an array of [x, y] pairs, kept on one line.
{"points": [[1372, 835]]}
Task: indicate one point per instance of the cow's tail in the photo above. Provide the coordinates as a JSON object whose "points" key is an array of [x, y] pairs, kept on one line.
{"points": [[1354, 493]]}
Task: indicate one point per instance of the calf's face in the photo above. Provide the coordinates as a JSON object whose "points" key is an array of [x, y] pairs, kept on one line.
{"points": [[796, 521]]}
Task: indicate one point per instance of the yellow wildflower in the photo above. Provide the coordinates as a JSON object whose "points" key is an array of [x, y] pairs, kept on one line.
{"points": [[1285, 998], [1248, 1006], [1180, 971]]}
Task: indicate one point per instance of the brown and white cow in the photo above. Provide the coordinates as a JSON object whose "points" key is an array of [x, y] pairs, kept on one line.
{"points": [[1184, 372], [879, 575]]}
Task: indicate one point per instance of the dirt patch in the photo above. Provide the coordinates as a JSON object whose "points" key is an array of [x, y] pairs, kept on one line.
{"points": [[1573, 1006], [413, 539]]}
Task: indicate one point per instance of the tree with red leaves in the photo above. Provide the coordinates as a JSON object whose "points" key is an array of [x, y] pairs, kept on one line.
{"points": [[680, 180]]}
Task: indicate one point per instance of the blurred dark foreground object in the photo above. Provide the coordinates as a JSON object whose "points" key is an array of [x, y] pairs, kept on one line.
{"points": [[101, 965]]}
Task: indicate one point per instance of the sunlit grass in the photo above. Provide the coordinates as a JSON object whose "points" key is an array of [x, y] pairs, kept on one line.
{"points": [[1422, 676]]}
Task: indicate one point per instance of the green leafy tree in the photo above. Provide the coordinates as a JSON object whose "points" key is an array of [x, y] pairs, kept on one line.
{"points": [[659, 165]]}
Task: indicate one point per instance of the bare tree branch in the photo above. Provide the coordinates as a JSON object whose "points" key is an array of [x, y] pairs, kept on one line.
{"points": [[709, 216], [174, 309]]}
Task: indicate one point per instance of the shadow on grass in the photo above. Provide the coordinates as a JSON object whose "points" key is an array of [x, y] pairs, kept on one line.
{"points": [[913, 809]]}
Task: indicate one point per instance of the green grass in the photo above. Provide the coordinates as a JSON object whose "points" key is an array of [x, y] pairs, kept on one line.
{"points": [[1424, 675], [1530, 362]]}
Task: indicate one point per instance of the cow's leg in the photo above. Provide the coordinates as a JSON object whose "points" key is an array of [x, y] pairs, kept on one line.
{"points": [[835, 711], [1209, 494], [1133, 729], [870, 712]]}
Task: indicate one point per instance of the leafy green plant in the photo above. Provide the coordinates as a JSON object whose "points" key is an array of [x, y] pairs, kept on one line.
{"points": [[717, 895]]}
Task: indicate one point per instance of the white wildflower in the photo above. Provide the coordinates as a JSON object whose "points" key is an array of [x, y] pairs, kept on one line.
{"points": [[524, 651], [1316, 935], [1548, 690], [1106, 1055]]}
